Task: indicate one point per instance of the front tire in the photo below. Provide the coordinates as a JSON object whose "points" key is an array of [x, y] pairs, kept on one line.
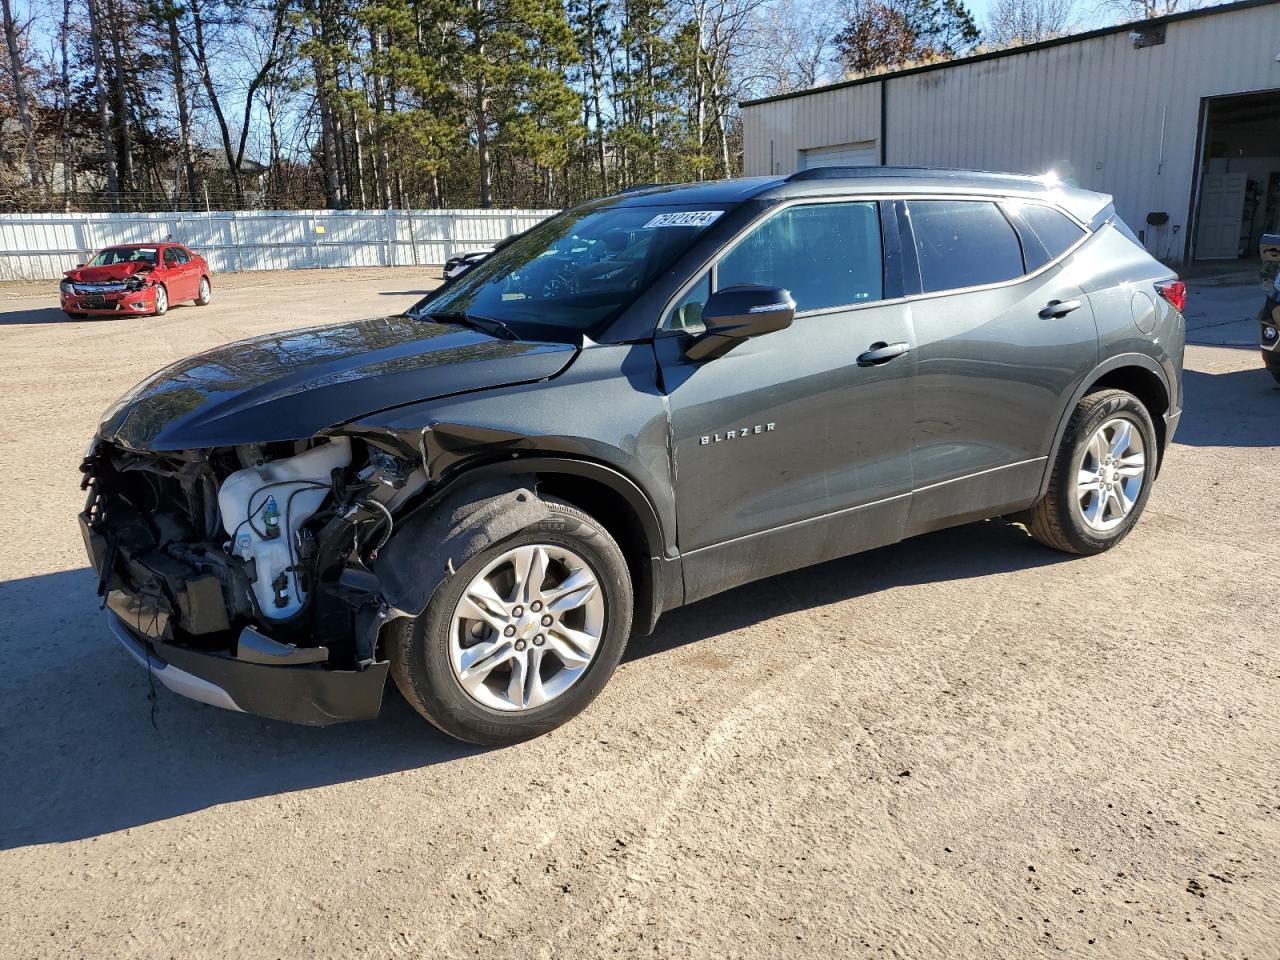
{"points": [[1101, 476], [162, 301], [205, 294], [523, 636]]}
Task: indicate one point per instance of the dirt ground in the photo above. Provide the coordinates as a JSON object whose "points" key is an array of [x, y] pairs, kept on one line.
{"points": [[961, 746]]}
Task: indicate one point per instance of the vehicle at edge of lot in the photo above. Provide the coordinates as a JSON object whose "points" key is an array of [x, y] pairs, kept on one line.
{"points": [[456, 266], [635, 404], [135, 279], [1269, 315]]}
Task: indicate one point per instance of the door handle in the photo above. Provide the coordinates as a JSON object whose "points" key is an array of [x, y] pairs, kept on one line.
{"points": [[881, 352], [1059, 308]]}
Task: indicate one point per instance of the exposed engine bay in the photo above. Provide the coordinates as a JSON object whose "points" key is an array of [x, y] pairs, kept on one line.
{"points": [[260, 551]]}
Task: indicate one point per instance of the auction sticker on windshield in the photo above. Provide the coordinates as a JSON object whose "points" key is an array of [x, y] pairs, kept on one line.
{"points": [[686, 218]]}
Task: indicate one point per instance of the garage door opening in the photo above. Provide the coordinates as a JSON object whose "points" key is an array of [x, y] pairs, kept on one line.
{"points": [[861, 154], [1239, 185]]}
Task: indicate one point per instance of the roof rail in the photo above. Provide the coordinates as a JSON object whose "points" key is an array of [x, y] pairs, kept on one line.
{"points": [[839, 173]]}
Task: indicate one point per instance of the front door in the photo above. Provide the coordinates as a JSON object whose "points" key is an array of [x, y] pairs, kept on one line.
{"points": [[786, 451], [175, 278]]}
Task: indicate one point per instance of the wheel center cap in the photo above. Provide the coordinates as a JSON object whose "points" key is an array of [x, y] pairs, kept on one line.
{"points": [[1109, 474], [525, 625]]}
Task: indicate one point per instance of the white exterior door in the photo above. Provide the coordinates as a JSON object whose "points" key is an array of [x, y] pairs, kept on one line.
{"points": [[1221, 216], [861, 154]]}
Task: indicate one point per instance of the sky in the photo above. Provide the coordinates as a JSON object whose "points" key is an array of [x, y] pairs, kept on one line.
{"points": [[1086, 14]]}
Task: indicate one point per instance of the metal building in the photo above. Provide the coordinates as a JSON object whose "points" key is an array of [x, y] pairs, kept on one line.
{"points": [[1177, 117]]}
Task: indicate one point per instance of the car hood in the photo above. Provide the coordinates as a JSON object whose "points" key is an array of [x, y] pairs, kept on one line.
{"points": [[292, 385], [112, 271]]}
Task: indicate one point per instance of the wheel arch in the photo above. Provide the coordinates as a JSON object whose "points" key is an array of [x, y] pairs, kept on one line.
{"points": [[616, 501], [1135, 373]]}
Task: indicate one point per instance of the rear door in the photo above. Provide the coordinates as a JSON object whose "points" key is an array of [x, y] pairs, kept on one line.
{"points": [[190, 272], [1004, 335], [786, 451]]}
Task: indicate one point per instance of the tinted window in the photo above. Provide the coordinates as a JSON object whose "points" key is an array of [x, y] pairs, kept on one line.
{"points": [[1054, 231], [171, 255], [826, 254], [963, 243]]}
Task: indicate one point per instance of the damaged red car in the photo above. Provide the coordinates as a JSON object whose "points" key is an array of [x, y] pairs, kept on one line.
{"points": [[136, 280]]}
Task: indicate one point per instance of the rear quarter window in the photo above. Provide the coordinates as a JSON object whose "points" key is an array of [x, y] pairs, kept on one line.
{"points": [[1055, 231], [963, 243]]}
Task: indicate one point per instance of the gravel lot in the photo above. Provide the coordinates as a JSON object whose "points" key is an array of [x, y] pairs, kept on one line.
{"points": [[963, 745]]}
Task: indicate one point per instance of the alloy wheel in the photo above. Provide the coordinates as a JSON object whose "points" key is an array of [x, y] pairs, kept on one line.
{"points": [[162, 300], [527, 627], [1111, 474], [204, 290]]}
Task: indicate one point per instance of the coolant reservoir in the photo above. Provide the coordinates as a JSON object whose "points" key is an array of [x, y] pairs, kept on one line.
{"points": [[298, 486]]}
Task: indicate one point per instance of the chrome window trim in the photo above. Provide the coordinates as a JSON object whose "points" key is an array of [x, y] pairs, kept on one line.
{"points": [[663, 330]]}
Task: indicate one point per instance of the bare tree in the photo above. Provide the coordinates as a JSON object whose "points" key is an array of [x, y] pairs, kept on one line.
{"points": [[277, 34], [793, 47], [20, 92], [100, 98], [64, 107], [1146, 9], [1011, 23], [171, 14]]}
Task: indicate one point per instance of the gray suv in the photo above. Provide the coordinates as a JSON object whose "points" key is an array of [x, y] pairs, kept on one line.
{"points": [[638, 403]]}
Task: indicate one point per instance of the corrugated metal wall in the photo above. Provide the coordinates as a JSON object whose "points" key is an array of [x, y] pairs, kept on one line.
{"points": [[1092, 111], [775, 133], [43, 245]]}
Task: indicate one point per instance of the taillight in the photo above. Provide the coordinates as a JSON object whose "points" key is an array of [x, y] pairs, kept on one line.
{"points": [[1175, 291]]}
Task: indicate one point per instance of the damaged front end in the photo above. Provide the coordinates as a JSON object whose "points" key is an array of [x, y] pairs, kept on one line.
{"points": [[241, 575]]}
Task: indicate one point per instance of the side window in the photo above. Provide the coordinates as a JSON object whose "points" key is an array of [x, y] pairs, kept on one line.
{"points": [[184, 255], [963, 243], [1056, 233], [171, 255], [826, 254], [687, 313]]}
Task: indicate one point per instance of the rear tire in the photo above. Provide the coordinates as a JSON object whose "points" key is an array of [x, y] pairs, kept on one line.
{"points": [[426, 652], [1093, 502]]}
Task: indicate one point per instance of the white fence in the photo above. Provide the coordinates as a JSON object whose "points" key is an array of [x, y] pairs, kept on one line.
{"points": [[43, 245]]}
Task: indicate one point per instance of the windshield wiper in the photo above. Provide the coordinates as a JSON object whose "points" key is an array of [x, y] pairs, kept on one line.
{"points": [[489, 325]]}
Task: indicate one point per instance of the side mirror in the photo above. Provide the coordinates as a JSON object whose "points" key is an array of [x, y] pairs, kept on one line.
{"points": [[735, 314]]}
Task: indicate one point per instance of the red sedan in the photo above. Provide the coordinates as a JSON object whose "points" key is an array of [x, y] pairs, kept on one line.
{"points": [[136, 279]]}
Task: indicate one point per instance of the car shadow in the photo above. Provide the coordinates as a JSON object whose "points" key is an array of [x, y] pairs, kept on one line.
{"points": [[960, 553], [38, 315], [82, 756], [1235, 408], [85, 753]]}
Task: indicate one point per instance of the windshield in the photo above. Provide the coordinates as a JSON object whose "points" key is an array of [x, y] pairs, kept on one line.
{"points": [[124, 255], [573, 271]]}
